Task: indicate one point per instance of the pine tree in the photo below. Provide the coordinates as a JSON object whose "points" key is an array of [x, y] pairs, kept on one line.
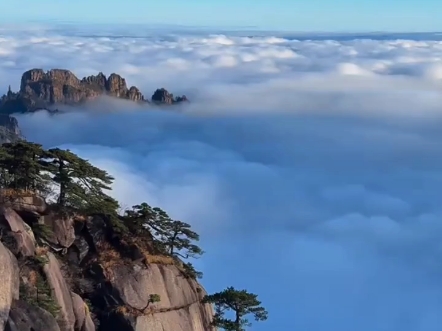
{"points": [[81, 185], [241, 303], [20, 167], [173, 237], [143, 217], [190, 271], [178, 239], [62, 168], [44, 298]]}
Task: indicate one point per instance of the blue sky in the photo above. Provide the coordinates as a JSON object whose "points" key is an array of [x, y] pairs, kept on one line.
{"points": [[311, 15]]}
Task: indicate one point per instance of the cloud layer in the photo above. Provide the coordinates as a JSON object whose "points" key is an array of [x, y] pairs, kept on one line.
{"points": [[311, 168]]}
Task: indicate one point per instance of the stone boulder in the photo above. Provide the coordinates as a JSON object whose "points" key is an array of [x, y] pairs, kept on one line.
{"points": [[63, 232], [26, 317], [23, 240], [27, 204]]}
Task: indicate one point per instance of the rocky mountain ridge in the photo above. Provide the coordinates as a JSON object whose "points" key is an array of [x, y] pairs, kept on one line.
{"points": [[87, 277], [48, 90]]}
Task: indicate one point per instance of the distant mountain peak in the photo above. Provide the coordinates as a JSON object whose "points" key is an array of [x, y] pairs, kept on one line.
{"points": [[45, 90], [40, 90]]}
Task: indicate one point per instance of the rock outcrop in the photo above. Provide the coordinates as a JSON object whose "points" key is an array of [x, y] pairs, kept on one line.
{"points": [[10, 123], [27, 203], [9, 285], [16, 233], [61, 293], [61, 227], [56, 87], [179, 308], [59, 86], [82, 274], [162, 96], [47, 90], [83, 320], [9, 130], [26, 317]]}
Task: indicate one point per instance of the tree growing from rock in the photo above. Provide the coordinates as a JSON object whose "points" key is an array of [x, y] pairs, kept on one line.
{"points": [[241, 303], [143, 217], [81, 185], [178, 239], [25, 166], [173, 237], [44, 298], [21, 169], [190, 271], [39, 294], [62, 167], [153, 298]]}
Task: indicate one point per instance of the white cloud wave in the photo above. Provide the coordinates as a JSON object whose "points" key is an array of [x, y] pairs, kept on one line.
{"points": [[311, 168]]}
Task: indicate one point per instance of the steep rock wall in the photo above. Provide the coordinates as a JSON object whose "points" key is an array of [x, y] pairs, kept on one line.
{"points": [[94, 282]]}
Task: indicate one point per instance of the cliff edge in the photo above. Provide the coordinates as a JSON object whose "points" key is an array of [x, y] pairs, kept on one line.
{"points": [[72, 273]]}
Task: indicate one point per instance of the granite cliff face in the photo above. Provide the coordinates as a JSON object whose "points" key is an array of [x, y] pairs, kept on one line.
{"points": [[85, 276]]}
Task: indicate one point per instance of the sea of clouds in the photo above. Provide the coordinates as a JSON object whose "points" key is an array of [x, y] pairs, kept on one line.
{"points": [[311, 167]]}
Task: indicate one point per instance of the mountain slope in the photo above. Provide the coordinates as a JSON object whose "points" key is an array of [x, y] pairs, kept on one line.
{"points": [[82, 276]]}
